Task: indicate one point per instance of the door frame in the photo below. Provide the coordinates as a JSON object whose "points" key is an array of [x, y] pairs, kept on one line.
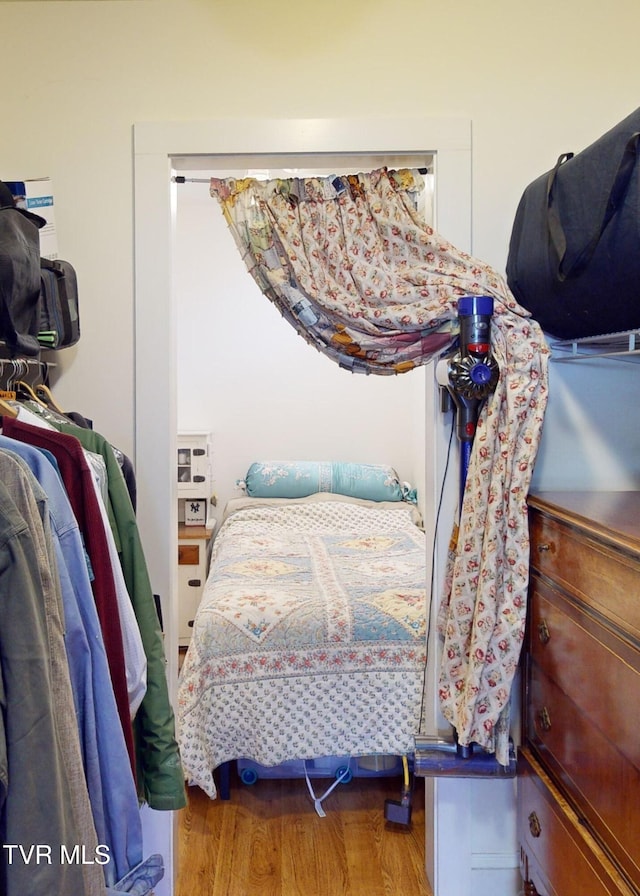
{"points": [[160, 151]]}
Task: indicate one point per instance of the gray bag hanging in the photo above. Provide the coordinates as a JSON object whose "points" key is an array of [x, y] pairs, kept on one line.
{"points": [[59, 313], [19, 276], [574, 252]]}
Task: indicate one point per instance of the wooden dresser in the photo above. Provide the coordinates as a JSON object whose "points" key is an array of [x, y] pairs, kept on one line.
{"points": [[579, 763]]}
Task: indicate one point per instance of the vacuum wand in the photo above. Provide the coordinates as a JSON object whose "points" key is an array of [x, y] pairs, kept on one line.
{"points": [[471, 374]]}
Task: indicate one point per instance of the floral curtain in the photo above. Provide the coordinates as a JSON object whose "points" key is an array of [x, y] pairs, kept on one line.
{"points": [[353, 267]]}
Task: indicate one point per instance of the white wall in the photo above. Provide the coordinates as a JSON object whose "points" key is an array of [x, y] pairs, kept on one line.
{"points": [[535, 80], [591, 435], [245, 375]]}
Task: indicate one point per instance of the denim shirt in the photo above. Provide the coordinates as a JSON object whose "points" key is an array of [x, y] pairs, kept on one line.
{"points": [[110, 783]]}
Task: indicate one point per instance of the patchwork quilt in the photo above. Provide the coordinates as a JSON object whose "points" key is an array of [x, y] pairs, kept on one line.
{"points": [[310, 639]]}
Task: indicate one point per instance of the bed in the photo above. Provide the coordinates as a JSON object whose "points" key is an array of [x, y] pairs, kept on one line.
{"points": [[310, 638]]}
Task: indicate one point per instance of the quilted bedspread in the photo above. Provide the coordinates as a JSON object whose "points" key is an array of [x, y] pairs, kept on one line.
{"points": [[310, 637]]}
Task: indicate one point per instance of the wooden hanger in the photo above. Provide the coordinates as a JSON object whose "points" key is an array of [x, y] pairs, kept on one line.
{"points": [[24, 390], [7, 410], [8, 395], [44, 394]]}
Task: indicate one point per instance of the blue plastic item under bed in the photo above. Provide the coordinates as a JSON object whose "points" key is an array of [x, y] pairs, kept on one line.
{"points": [[374, 766]]}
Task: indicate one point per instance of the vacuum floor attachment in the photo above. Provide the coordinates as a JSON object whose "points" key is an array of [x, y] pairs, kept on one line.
{"points": [[435, 758]]}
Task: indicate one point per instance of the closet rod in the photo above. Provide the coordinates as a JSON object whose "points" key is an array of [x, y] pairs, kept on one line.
{"points": [[180, 179]]}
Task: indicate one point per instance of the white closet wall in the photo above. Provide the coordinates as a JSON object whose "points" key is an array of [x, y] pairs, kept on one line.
{"points": [[591, 437]]}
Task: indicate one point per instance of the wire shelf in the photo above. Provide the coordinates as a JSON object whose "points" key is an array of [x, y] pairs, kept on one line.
{"points": [[624, 346]]}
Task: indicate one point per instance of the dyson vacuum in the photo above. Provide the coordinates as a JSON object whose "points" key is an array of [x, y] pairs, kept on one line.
{"points": [[470, 374], [467, 377]]}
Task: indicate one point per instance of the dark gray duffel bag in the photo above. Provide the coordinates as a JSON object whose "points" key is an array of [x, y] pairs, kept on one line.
{"points": [[574, 252]]}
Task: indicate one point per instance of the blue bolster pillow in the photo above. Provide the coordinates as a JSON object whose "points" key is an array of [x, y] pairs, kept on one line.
{"points": [[299, 479]]}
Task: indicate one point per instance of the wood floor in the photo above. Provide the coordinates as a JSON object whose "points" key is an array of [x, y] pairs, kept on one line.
{"points": [[268, 841]]}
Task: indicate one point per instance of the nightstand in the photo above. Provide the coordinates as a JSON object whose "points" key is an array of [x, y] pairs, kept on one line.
{"points": [[193, 553]]}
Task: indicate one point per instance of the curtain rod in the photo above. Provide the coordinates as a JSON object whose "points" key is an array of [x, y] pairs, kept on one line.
{"points": [[180, 179]]}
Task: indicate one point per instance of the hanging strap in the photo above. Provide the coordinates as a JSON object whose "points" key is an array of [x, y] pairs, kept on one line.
{"points": [[616, 198], [317, 801]]}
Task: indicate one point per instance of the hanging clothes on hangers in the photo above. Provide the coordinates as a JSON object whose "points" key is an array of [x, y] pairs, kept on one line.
{"points": [[40, 718], [159, 774], [48, 411], [135, 659], [110, 783], [159, 770], [134, 655], [78, 482]]}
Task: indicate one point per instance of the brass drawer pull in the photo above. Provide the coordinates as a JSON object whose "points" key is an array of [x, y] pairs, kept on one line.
{"points": [[544, 719], [534, 825], [543, 632], [544, 547]]}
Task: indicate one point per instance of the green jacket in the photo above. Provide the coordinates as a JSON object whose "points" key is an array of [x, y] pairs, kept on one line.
{"points": [[159, 773]]}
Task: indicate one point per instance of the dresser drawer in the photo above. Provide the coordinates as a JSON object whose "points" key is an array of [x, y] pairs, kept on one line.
{"points": [[602, 576], [592, 665], [581, 696], [561, 857], [604, 786]]}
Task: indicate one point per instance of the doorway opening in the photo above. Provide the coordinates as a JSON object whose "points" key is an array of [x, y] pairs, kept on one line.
{"points": [[164, 150]]}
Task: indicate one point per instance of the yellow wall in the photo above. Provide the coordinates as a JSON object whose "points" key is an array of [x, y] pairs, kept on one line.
{"points": [[535, 80]]}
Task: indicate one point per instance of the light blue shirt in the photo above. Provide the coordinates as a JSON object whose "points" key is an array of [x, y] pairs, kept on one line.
{"points": [[110, 784]]}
